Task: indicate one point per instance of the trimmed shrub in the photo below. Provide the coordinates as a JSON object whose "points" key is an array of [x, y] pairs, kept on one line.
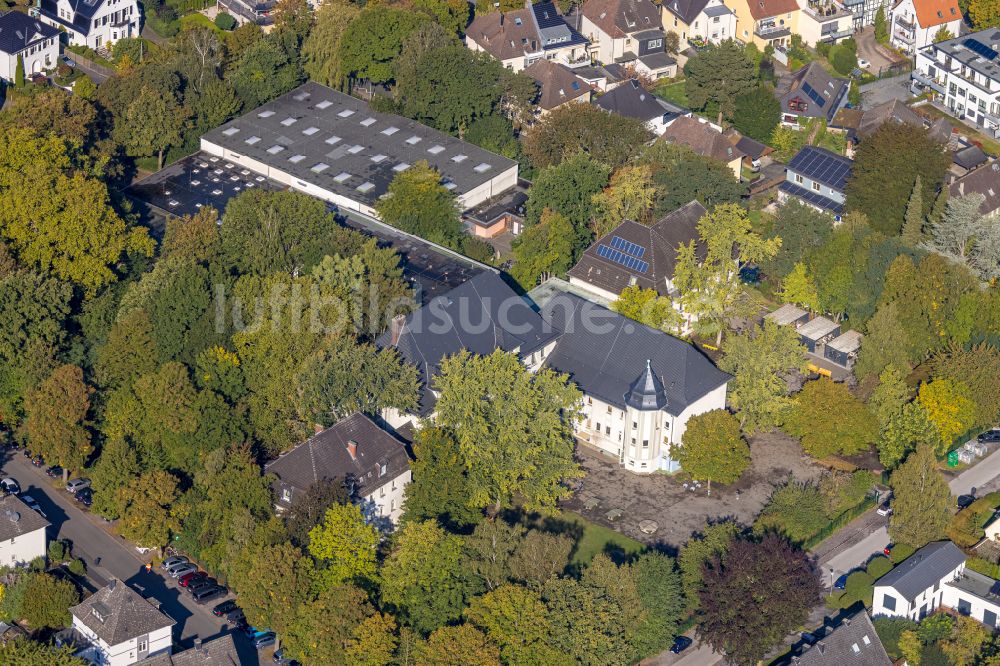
{"points": [[879, 567], [900, 552], [224, 21]]}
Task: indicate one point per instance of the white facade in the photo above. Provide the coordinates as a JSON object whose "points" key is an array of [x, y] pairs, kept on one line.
{"points": [[907, 34], [714, 24], [386, 501], [888, 601], [643, 441], [24, 548], [91, 26], [129, 652], [38, 57]]}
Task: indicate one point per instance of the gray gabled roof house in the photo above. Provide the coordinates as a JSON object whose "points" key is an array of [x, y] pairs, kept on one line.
{"points": [[851, 642], [914, 587]]}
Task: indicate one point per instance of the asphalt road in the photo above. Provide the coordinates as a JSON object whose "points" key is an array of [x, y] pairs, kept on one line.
{"points": [[983, 476], [108, 556]]}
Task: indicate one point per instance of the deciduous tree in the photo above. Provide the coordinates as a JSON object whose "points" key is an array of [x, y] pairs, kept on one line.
{"points": [[321, 50], [720, 76], [514, 618], [921, 508], [418, 203], [700, 549], [829, 420], [273, 601], [568, 189], [648, 307], [458, 645], [144, 504], [583, 128], [913, 224], [757, 113], [373, 642], [713, 448], [629, 196], [949, 407], [903, 432], [323, 626], [798, 288], [545, 247], [374, 39], [56, 414], [344, 546]]}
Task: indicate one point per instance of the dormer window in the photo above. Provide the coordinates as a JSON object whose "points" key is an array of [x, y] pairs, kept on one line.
{"points": [[517, 20]]}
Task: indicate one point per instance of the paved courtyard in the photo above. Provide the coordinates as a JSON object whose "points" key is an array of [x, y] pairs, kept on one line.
{"points": [[676, 511]]}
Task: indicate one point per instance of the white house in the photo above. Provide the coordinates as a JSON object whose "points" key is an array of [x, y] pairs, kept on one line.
{"points": [[628, 33], [913, 24], [121, 627], [36, 43], [706, 21], [373, 464], [964, 75], [93, 23], [22, 533], [992, 530], [640, 386]]}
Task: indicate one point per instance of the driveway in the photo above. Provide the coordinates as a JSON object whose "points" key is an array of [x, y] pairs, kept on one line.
{"points": [[868, 49], [886, 90], [107, 556], [983, 476]]}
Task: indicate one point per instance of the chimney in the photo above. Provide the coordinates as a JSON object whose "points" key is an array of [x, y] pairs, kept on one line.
{"points": [[396, 327], [961, 189], [112, 583], [197, 643], [352, 448]]}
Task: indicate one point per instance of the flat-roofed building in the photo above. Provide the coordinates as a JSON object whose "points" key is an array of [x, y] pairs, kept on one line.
{"points": [[818, 332], [788, 315], [333, 146]]}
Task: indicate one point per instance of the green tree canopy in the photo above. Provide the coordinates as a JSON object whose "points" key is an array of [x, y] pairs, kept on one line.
{"points": [[344, 546], [374, 39], [56, 412], [719, 75], [440, 488], [545, 247], [921, 508], [418, 203], [583, 128], [830, 421], [713, 448], [757, 113]]}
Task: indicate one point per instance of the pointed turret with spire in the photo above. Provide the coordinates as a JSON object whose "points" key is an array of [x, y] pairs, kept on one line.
{"points": [[646, 393]]}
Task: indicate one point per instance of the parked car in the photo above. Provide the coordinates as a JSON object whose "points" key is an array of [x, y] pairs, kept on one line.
{"points": [[681, 643], [189, 579], [53, 472], [84, 497], [181, 569], [69, 62], [226, 607], [210, 593], [965, 500], [884, 509], [841, 583], [863, 64], [38, 461], [236, 616], [173, 560], [251, 630], [989, 436], [10, 486], [76, 485], [201, 583], [33, 505], [264, 640]]}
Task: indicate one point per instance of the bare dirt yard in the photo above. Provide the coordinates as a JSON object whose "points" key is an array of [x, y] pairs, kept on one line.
{"points": [[679, 512]]}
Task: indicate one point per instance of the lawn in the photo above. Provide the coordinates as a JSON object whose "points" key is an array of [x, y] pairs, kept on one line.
{"points": [[198, 20], [599, 539], [672, 91]]}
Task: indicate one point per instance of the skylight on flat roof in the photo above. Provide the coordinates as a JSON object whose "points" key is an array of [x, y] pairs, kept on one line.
{"points": [[231, 131], [389, 131], [364, 187], [450, 186], [458, 158], [378, 158], [275, 149], [368, 122], [354, 150], [325, 104], [434, 150], [402, 166], [309, 131], [333, 139], [251, 140], [289, 121], [265, 114], [342, 177], [483, 167], [295, 159], [413, 140], [346, 113], [301, 97], [320, 168]]}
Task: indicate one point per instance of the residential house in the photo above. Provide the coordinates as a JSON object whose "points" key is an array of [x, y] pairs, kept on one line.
{"points": [[817, 178], [640, 385], [850, 642], [813, 93], [914, 587], [863, 12], [22, 533], [704, 139], [815, 333], [766, 22], [966, 159], [985, 181], [121, 627], [93, 23], [638, 254], [825, 21], [603, 77], [498, 215], [913, 24], [964, 75], [27, 38], [259, 12], [219, 651], [633, 101], [628, 33], [374, 465], [557, 85], [992, 530], [524, 36], [859, 125], [699, 22]]}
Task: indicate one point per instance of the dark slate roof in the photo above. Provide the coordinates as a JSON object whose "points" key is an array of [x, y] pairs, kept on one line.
{"points": [[754, 149], [17, 519], [969, 157], [326, 456], [220, 651], [660, 242], [658, 60], [557, 82], [553, 30], [823, 166], [481, 315], [126, 615], [853, 642], [891, 111], [811, 197], [923, 569], [603, 353], [19, 31], [631, 100], [985, 181], [702, 138], [646, 392], [812, 85], [686, 10]]}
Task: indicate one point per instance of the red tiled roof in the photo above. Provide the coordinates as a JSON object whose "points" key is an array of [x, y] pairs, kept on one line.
{"points": [[936, 12], [762, 9]]}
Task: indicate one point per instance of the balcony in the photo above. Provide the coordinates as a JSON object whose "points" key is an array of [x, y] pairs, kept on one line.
{"points": [[834, 36], [772, 31], [904, 36], [904, 24], [934, 84], [827, 11], [581, 60]]}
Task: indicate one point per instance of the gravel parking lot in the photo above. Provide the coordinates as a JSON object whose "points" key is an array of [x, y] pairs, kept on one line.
{"points": [[679, 512]]}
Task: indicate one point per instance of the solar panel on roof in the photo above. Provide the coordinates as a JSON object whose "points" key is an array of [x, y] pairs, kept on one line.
{"points": [[620, 243], [622, 258], [813, 95], [979, 48]]}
